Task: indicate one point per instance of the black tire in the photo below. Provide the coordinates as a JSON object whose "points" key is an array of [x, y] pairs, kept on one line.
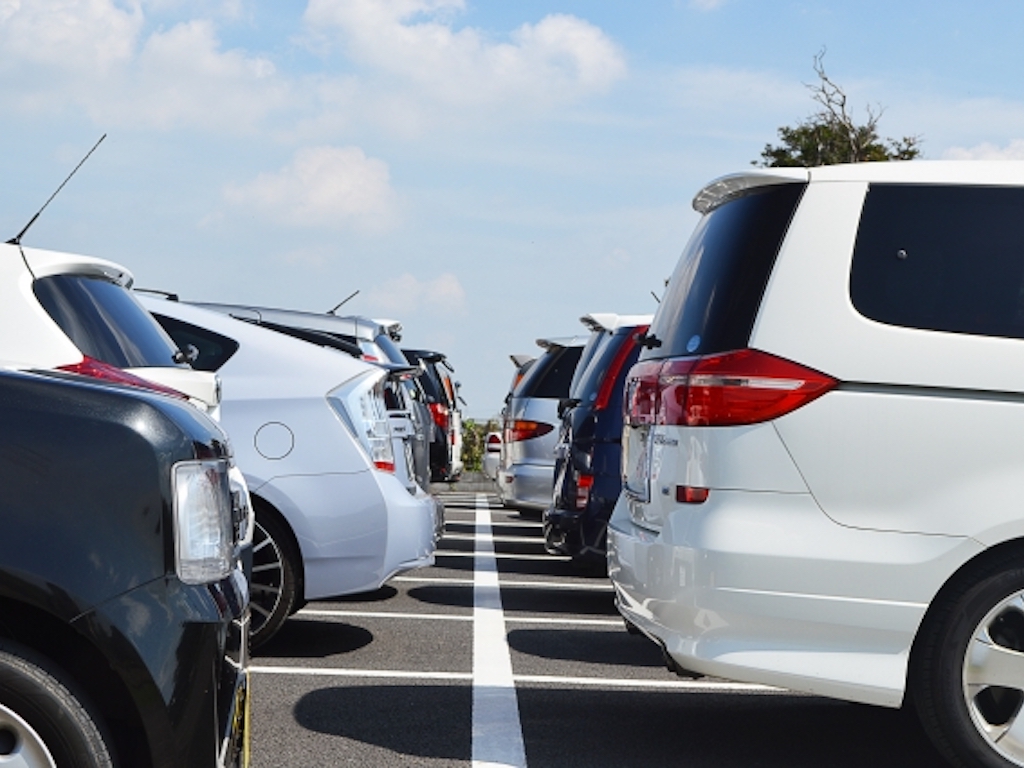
{"points": [[39, 711], [982, 615], [273, 586]]}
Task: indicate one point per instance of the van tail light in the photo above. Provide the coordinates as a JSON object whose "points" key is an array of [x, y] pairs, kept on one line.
{"points": [[493, 443], [688, 494], [731, 389], [584, 482], [604, 392], [441, 415], [97, 369], [526, 430]]}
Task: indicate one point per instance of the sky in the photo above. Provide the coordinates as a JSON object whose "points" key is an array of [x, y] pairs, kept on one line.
{"points": [[483, 171]]}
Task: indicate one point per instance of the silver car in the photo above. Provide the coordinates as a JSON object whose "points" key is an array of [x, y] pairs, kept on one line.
{"points": [[530, 425]]}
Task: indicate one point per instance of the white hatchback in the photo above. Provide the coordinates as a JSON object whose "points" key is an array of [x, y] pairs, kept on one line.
{"points": [[824, 448], [312, 436]]}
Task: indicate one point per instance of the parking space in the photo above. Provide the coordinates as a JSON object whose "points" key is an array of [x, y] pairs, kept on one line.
{"points": [[434, 670]]}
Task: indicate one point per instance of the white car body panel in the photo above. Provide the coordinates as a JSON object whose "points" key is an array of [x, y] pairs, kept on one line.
{"points": [[356, 526], [829, 531]]}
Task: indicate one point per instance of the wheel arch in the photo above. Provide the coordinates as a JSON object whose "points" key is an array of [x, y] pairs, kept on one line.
{"points": [[981, 565], [88, 669]]}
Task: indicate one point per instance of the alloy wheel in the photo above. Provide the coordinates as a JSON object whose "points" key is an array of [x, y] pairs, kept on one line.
{"points": [[267, 577], [993, 678]]}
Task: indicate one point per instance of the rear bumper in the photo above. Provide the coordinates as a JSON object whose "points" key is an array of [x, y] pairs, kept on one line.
{"points": [[182, 653], [526, 485], [764, 588]]}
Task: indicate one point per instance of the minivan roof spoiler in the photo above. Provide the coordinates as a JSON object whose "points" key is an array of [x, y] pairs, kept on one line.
{"points": [[562, 341], [609, 321], [727, 187]]}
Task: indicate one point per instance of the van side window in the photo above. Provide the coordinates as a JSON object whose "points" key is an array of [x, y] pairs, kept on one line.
{"points": [[942, 258]]}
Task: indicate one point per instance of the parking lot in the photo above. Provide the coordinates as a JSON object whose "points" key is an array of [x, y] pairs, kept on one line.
{"points": [[434, 670]]}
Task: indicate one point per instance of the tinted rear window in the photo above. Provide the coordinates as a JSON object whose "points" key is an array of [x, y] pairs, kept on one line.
{"points": [[591, 380], [594, 343], [942, 258], [550, 376], [214, 349], [105, 321], [716, 290]]}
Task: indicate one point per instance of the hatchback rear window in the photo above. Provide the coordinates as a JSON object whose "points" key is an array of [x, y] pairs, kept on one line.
{"points": [[592, 378], [942, 258], [105, 321], [716, 290], [550, 376]]}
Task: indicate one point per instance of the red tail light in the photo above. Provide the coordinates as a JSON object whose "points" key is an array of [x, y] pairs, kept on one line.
{"points": [[385, 466], [604, 392], [525, 430], [441, 415], [734, 388], [584, 483], [97, 369], [493, 443]]}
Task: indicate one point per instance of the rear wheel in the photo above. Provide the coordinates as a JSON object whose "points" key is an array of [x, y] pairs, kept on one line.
{"points": [[969, 677], [273, 585], [43, 724]]}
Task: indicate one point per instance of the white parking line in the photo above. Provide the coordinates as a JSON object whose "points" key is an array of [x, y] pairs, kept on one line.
{"points": [[503, 539], [551, 681], [497, 730], [503, 555], [458, 617], [601, 587]]}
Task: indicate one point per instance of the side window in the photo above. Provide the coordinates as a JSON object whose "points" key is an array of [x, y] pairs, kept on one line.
{"points": [[942, 258], [214, 349]]}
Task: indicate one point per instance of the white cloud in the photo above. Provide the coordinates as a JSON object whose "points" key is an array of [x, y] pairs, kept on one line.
{"points": [[987, 151], [94, 55], [405, 295], [561, 58], [337, 187]]}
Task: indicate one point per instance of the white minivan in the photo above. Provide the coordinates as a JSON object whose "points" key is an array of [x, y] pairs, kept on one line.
{"points": [[824, 446]]}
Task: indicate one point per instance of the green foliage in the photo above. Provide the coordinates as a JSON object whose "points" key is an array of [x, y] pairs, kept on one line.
{"points": [[473, 436], [831, 136]]}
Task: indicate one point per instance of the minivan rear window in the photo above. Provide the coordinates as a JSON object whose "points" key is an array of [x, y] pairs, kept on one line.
{"points": [[550, 376], [942, 258], [105, 321], [716, 290]]}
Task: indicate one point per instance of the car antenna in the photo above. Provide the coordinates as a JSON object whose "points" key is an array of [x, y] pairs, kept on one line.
{"points": [[655, 297], [343, 302], [16, 240]]}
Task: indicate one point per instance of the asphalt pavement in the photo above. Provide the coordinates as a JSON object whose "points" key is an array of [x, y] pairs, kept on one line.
{"points": [[503, 655]]}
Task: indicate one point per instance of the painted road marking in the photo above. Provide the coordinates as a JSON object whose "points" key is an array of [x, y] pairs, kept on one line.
{"points": [[550, 681], [497, 730], [454, 581], [458, 617]]}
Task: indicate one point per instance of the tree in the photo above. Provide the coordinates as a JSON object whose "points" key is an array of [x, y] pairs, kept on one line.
{"points": [[831, 136]]}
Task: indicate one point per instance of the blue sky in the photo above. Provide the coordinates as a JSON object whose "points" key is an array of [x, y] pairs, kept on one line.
{"points": [[485, 172]]}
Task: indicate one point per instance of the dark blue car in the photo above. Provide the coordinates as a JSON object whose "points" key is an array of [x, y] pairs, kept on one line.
{"points": [[588, 476]]}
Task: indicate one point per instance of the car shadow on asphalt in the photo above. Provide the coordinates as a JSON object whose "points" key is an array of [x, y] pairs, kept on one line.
{"points": [[605, 729], [524, 599], [310, 639], [587, 646], [419, 721]]}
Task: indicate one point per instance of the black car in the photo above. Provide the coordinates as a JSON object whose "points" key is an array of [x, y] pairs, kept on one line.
{"points": [[588, 470], [123, 605], [443, 401]]}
